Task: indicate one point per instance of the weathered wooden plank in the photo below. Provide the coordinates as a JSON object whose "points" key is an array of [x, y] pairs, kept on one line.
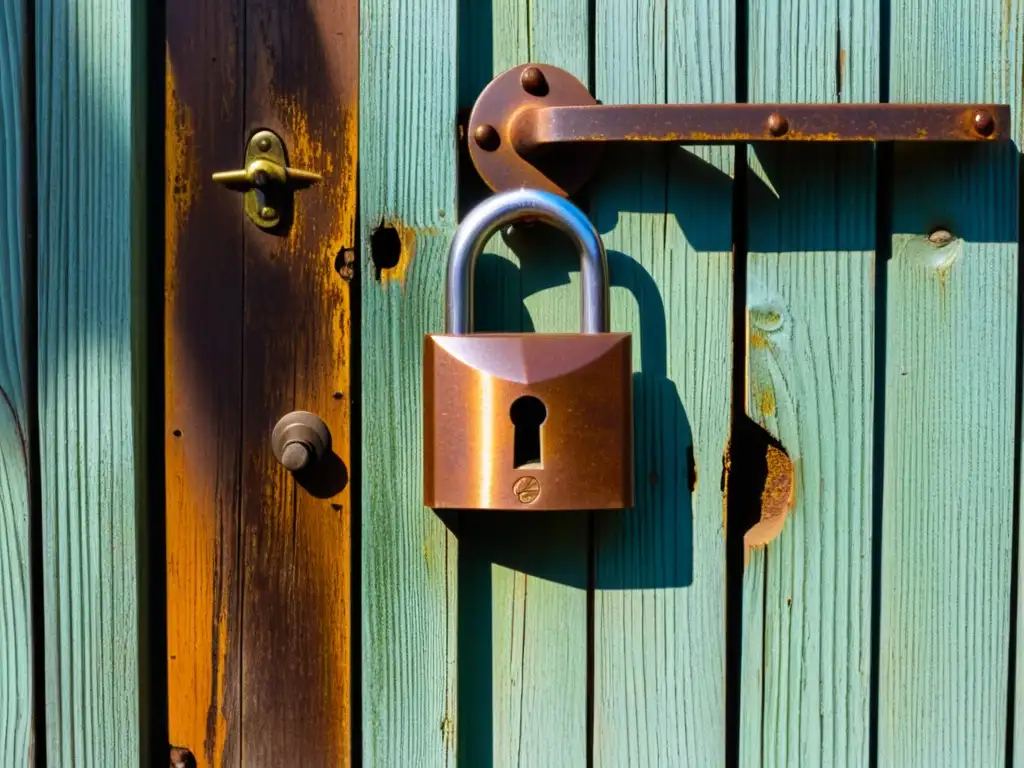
{"points": [[16, 694], [523, 694], [87, 208], [203, 379], [949, 399], [301, 82], [810, 348], [408, 199], [659, 651]]}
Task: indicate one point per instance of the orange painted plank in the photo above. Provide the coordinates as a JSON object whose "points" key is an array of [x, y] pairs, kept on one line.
{"points": [[203, 379]]}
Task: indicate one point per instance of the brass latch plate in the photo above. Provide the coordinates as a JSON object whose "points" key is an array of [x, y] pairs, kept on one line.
{"points": [[538, 126]]}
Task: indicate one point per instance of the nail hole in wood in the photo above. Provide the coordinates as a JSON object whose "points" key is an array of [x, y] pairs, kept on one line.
{"points": [[385, 249]]}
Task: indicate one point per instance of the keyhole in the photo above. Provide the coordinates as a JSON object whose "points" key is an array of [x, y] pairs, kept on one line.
{"points": [[527, 414]]}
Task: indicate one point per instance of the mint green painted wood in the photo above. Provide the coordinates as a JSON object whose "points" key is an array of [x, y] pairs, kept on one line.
{"points": [[15, 619], [85, 206], [665, 213], [810, 345], [949, 399], [409, 558], [523, 679]]}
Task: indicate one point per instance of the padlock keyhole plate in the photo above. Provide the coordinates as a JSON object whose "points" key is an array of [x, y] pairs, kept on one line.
{"points": [[527, 414]]}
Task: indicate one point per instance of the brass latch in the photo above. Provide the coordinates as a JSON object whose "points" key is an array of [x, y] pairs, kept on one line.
{"points": [[266, 180], [538, 126]]}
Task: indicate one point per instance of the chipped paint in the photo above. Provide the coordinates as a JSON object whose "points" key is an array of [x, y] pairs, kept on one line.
{"points": [[766, 401], [331, 231]]}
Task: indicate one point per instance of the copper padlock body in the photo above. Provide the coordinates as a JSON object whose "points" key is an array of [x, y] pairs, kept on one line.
{"points": [[472, 380]]}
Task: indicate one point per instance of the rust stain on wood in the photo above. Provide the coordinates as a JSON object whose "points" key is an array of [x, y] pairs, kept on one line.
{"points": [[776, 500], [301, 81], [407, 236], [180, 167], [759, 481], [201, 301]]}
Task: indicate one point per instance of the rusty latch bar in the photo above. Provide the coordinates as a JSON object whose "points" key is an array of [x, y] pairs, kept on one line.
{"points": [[538, 126]]}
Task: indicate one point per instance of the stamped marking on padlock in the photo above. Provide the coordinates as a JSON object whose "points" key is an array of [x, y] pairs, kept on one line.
{"points": [[559, 405], [527, 489]]}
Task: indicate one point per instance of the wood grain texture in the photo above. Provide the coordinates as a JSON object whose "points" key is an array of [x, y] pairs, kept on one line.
{"points": [[665, 213], [203, 379], [810, 359], [301, 82], [15, 618], [522, 594], [86, 206], [950, 399], [409, 558], [259, 324]]}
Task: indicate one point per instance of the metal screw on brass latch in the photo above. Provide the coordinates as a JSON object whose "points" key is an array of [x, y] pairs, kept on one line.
{"points": [[266, 179], [300, 440]]}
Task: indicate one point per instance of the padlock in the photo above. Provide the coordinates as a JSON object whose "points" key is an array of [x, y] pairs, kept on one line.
{"points": [[530, 421]]}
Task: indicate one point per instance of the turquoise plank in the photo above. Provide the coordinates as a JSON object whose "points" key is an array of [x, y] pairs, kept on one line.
{"points": [[810, 345], [665, 213], [409, 558], [522, 592], [87, 201], [950, 379], [15, 619]]}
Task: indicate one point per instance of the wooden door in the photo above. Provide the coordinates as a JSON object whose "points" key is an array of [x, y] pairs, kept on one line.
{"points": [[258, 324], [820, 566]]}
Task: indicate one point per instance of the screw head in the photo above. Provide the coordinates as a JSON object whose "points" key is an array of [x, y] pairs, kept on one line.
{"points": [[263, 144], [486, 137], [296, 455], [984, 123], [777, 125], [261, 179], [266, 212], [527, 489], [534, 82]]}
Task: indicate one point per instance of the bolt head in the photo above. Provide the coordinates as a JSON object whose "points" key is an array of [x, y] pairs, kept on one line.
{"points": [[264, 144], [534, 82], [486, 137], [777, 125], [984, 123], [296, 455], [266, 212]]}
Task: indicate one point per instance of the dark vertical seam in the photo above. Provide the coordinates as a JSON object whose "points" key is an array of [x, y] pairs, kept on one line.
{"points": [[591, 628], [884, 162], [734, 554], [30, 365], [1011, 697], [148, 228], [355, 395], [883, 252], [591, 663], [239, 564]]}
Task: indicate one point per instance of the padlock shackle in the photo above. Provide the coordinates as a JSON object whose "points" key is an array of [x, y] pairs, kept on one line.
{"points": [[503, 209]]}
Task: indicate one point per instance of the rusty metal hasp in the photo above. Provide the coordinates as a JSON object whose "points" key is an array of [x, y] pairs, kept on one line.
{"points": [[538, 126]]}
